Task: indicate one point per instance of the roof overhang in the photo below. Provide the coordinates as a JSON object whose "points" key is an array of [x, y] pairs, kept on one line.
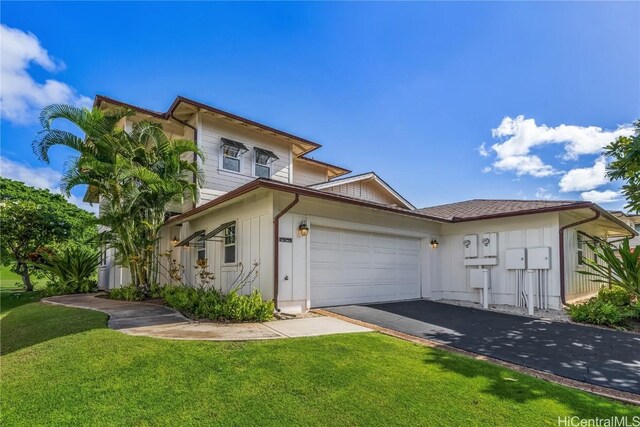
{"points": [[334, 171], [366, 177], [266, 184]]}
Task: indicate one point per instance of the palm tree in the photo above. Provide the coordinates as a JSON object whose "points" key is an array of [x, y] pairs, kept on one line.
{"points": [[137, 175]]}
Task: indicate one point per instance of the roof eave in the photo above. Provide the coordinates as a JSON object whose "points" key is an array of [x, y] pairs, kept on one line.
{"points": [[302, 191]]}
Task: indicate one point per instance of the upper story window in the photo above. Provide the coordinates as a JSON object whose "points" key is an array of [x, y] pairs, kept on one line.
{"points": [[232, 152], [263, 161]]}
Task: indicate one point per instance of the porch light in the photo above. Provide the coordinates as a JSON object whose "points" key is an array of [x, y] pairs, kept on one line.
{"points": [[434, 244], [303, 228], [174, 241]]}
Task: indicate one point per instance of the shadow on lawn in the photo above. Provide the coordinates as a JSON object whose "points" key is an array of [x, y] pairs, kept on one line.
{"points": [[26, 322], [518, 388], [596, 356]]}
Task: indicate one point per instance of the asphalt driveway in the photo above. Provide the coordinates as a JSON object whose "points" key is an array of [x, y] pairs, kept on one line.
{"points": [[597, 356]]}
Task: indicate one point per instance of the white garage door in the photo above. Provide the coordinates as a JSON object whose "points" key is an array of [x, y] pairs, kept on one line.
{"points": [[349, 267]]}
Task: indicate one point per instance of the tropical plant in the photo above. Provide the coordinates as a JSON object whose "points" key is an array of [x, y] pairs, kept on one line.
{"points": [[35, 223], [72, 270], [136, 175], [26, 230], [625, 165], [615, 295], [618, 266], [126, 293], [599, 312]]}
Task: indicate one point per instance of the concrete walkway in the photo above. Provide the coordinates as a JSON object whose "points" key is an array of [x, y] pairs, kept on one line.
{"points": [[151, 320], [596, 356]]}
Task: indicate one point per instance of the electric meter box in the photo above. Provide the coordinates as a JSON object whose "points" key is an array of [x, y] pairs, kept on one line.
{"points": [[489, 245], [470, 243], [539, 258], [515, 259], [476, 278]]}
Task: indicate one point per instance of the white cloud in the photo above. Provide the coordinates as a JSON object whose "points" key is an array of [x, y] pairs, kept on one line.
{"points": [[482, 149], [39, 177], [486, 169], [544, 194], [606, 196], [521, 135], [525, 165], [581, 179], [21, 97]]}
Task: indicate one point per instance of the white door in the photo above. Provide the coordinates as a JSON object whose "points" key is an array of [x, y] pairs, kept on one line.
{"points": [[350, 267]]}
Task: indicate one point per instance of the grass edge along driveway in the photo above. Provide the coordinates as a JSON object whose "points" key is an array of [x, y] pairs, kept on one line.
{"points": [[63, 366]]}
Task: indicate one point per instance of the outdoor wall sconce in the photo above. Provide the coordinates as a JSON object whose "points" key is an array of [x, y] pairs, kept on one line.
{"points": [[434, 243], [303, 228], [174, 241]]}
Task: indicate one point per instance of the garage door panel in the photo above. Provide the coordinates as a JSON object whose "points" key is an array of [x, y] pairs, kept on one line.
{"points": [[326, 255], [383, 242], [325, 235], [384, 275], [350, 267], [407, 259], [408, 276], [408, 244], [357, 256], [355, 239]]}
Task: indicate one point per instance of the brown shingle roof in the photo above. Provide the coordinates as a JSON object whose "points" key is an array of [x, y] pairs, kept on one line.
{"points": [[482, 208]]}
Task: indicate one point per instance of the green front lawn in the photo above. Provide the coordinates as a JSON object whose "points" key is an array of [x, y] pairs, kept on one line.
{"points": [[62, 366]]}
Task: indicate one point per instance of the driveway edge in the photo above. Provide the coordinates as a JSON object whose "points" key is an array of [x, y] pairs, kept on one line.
{"points": [[609, 393]]}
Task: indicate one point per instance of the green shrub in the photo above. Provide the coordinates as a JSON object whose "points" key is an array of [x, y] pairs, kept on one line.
{"points": [[599, 312], [72, 271], [126, 293], [213, 305], [199, 303], [615, 295]]}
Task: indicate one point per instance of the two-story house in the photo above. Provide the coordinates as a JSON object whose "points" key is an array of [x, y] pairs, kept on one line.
{"points": [[324, 237]]}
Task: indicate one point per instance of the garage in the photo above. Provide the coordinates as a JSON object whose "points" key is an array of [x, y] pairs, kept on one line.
{"points": [[351, 267]]}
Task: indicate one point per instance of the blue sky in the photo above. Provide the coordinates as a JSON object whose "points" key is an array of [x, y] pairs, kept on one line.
{"points": [[445, 101]]}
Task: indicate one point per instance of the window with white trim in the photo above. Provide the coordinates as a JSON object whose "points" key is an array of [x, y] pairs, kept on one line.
{"points": [[263, 160], [201, 249], [232, 152], [229, 243], [580, 247]]}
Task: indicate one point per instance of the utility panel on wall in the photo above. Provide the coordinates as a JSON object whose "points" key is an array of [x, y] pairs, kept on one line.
{"points": [[470, 243], [539, 258], [515, 259], [489, 245]]}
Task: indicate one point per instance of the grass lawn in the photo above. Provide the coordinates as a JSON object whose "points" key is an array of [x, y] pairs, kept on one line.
{"points": [[63, 366]]}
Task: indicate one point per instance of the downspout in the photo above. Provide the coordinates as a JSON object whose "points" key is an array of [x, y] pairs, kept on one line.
{"points": [[195, 139], [276, 246], [563, 297]]}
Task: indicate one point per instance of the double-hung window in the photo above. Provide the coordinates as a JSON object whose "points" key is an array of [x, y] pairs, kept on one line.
{"points": [[232, 152], [229, 243], [580, 250], [202, 250], [263, 161]]}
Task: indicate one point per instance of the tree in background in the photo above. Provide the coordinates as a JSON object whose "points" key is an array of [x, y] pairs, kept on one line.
{"points": [[136, 174], [36, 223], [624, 153]]}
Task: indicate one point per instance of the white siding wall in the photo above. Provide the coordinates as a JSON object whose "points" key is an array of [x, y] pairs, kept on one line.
{"points": [[518, 232], [254, 240], [366, 190], [577, 286], [306, 174], [218, 181]]}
